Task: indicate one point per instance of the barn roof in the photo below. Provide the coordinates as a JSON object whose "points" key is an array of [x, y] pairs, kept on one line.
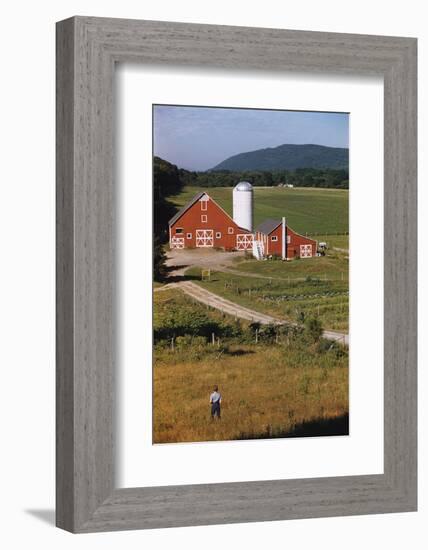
{"points": [[268, 226], [186, 207]]}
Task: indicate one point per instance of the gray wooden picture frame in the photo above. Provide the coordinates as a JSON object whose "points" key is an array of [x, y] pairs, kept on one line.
{"points": [[87, 50]]}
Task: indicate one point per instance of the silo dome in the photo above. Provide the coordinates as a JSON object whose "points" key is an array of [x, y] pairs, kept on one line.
{"points": [[243, 205], [244, 186]]}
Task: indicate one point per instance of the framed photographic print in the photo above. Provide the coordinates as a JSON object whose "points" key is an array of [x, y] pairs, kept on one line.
{"points": [[234, 309], [236, 282]]}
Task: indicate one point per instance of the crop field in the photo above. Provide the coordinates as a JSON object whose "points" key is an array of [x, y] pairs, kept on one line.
{"points": [[314, 287], [291, 386], [308, 210]]}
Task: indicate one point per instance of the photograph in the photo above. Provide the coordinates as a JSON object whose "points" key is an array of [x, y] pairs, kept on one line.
{"points": [[250, 273]]}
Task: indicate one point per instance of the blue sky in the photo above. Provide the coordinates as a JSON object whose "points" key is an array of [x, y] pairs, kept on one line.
{"points": [[198, 138]]}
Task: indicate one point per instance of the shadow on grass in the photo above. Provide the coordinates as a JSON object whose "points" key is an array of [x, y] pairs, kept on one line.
{"points": [[169, 276], [179, 278], [338, 425], [239, 352]]}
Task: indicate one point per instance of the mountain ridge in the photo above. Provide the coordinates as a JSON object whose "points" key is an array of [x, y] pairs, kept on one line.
{"points": [[287, 157]]}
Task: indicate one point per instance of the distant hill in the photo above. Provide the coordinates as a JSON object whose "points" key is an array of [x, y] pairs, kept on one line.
{"points": [[287, 157]]}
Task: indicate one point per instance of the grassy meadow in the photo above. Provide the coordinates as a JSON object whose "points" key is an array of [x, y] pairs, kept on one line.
{"points": [[292, 385], [333, 241], [308, 210]]}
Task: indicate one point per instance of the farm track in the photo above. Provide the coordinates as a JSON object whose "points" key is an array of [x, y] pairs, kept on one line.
{"points": [[214, 300], [226, 306]]}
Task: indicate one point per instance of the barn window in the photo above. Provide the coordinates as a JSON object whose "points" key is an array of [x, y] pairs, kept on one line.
{"points": [[204, 205], [179, 230], [204, 218], [230, 230], [218, 235], [288, 239], [188, 236], [274, 238]]}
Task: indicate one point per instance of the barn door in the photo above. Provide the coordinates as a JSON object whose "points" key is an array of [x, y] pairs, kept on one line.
{"points": [[204, 238], [177, 243], [244, 242], [306, 251]]}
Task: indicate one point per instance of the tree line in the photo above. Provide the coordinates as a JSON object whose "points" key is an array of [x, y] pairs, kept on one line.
{"points": [[166, 182], [301, 177]]}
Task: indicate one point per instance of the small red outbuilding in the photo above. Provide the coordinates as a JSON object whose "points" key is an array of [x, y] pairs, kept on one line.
{"points": [[271, 234]]}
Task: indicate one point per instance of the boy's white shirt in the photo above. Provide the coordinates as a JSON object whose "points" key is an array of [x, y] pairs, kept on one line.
{"points": [[214, 396]]}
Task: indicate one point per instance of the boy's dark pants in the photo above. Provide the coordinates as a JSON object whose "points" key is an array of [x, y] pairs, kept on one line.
{"points": [[215, 410]]}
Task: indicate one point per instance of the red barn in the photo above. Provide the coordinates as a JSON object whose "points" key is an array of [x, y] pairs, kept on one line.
{"points": [[271, 235], [202, 223]]}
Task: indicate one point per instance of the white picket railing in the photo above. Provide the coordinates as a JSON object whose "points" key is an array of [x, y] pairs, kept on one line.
{"points": [[258, 250]]}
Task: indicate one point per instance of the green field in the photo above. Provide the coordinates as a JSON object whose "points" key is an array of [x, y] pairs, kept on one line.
{"points": [[333, 266], [334, 241], [308, 210]]}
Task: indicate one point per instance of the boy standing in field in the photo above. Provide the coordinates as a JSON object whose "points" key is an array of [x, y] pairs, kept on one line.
{"points": [[215, 401]]}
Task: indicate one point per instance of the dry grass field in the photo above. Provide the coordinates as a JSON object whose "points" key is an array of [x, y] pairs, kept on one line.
{"points": [[266, 392], [293, 387]]}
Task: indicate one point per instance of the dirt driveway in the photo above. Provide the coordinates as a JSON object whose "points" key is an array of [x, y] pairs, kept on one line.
{"points": [[179, 260]]}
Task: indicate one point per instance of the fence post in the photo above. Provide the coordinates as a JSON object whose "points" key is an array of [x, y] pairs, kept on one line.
{"points": [[213, 338], [172, 343], [257, 335]]}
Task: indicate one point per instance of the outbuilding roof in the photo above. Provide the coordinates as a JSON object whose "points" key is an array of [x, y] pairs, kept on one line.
{"points": [[186, 207], [268, 226]]}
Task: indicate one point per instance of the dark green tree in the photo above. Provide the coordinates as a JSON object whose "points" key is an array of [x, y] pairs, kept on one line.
{"points": [[159, 267], [313, 328]]}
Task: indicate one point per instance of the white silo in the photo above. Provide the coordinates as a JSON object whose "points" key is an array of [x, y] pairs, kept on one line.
{"points": [[243, 205]]}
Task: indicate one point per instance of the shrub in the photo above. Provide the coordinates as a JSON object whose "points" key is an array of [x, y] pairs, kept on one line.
{"points": [[334, 348], [159, 258], [180, 321], [300, 316], [187, 341], [313, 328], [188, 321], [324, 345]]}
